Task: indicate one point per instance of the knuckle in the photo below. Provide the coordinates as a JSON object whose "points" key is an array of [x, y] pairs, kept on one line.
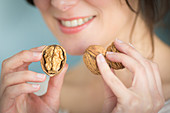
{"points": [[7, 93], [105, 70], [149, 107], [159, 103], [28, 73], [123, 57], [113, 80], [118, 109], [5, 79], [146, 62], [129, 49], [23, 87], [4, 62], [135, 102], [140, 69], [25, 52], [155, 65]]}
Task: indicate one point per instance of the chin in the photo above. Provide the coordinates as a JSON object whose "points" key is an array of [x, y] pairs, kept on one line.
{"points": [[75, 47], [75, 51]]}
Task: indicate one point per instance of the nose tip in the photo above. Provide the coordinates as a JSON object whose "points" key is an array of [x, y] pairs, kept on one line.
{"points": [[63, 5]]}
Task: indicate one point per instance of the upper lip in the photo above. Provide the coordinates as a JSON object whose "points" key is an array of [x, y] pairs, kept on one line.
{"points": [[73, 18]]}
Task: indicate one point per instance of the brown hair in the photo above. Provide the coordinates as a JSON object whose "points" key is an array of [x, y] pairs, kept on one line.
{"points": [[152, 12]]}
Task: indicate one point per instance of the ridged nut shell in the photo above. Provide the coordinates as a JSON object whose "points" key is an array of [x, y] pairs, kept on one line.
{"points": [[90, 55], [53, 59], [114, 65]]}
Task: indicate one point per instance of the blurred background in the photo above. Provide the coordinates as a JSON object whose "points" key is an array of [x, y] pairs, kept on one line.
{"points": [[22, 28]]}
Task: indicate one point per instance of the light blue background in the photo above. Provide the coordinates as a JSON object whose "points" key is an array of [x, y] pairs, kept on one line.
{"points": [[22, 27]]}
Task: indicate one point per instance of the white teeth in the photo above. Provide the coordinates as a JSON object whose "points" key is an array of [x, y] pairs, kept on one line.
{"points": [[75, 23], [68, 23], [80, 21], [86, 19]]}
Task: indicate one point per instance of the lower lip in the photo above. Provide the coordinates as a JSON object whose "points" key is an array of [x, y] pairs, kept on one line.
{"points": [[72, 30]]}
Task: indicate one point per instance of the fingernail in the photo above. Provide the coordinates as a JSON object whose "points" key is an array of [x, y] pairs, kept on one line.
{"points": [[131, 45], [101, 58], [36, 54], [110, 53], [41, 76], [36, 86], [119, 41]]}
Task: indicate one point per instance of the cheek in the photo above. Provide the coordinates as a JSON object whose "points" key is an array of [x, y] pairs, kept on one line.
{"points": [[99, 3], [42, 4]]}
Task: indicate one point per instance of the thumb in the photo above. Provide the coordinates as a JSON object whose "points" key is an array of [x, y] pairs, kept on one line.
{"points": [[54, 88], [110, 99]]}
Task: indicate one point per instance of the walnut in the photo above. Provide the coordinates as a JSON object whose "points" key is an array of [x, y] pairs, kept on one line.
{"points": [[53, 59], [91, 53], [114, 65], [89, 57]]}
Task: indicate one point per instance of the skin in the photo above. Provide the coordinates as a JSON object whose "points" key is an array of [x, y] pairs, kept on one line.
{"points": [[17, 95], [141, 85]]}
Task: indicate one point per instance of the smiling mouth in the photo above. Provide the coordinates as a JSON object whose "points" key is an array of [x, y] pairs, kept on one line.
{"points": [[70, 23]]}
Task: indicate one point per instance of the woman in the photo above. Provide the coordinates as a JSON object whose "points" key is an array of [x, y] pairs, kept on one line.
{"points": [[141, 87]]}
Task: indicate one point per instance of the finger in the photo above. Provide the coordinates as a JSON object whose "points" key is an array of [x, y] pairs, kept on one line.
{"points": [[19, 59], [112, 81], [10, 94], [159, 99], [26, 64], [131, 51], [109, 99], [156, 97], [132, 65], [16, 90], [21, 77], [54, 89], [38, 48], [152, 85], [157, 78], [128, 49]]}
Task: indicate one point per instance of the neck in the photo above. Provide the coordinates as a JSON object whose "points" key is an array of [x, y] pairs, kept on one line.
{"points": [[140, 36]]}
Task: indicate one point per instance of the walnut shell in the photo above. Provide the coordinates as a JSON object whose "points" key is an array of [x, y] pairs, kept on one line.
{"points": [[89, 57], [91, 53], [114, 65], [53, 59]]}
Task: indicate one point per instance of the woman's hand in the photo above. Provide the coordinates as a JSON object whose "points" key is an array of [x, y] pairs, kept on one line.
{"points": [[145, 94], [16, 95]]}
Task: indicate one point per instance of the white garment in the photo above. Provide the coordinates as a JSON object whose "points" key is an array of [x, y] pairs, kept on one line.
{"points": [[166, 108], [63, 111]]}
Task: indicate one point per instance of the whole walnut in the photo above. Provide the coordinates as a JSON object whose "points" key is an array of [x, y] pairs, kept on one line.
{"points": [[89, 57], [53, 59], [114, 65], [91, 53]]}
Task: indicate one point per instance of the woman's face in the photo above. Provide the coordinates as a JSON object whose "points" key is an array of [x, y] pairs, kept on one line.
{"points": [[80, 23]]}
